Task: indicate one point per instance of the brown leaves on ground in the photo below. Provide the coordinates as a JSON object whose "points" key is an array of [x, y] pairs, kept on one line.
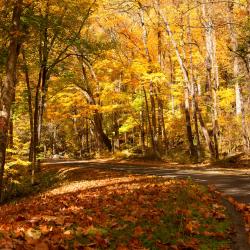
{"points": [[101, 209], [245, 210]]}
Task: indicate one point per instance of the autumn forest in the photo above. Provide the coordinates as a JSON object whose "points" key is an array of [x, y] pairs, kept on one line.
{"points": [[139, 80]]}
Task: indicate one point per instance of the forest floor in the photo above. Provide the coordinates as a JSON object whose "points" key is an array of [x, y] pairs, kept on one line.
{"points": [[107, 204]]}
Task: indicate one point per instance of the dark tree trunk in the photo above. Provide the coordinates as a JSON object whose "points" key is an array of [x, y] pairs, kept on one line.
{"points": [[27, 79], [97, 117], [116, 130], [153, 114], [142, 132], [206, 135], [36, 123], [87, 136], [161, 122], [46, 47], [193, 151], [11, 129], [7, 90], [149, 122], [102, 137], [244, 127], [40, 90]]}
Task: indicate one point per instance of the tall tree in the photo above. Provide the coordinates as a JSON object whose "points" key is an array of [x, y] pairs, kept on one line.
{"points": [[187, 86], [212, 67], [8, 85], [54, 35]]}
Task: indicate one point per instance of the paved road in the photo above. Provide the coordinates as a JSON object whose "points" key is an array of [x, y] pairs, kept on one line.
{"points": [[235, 183]]}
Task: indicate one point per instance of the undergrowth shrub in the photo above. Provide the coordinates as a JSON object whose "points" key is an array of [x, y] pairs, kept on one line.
{"points": [[17, 180]]}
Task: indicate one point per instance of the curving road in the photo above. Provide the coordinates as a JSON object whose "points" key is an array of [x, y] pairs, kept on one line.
{"points": [[235, 183]]}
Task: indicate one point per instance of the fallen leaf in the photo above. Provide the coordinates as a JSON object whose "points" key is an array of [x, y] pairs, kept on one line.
{"points": [[138, 231], [192, 227], [48, 218], [129, 218], [33, 234], [20, 218], [213, 234], [60, 220], [45, 229], [122, 247], [41, 246]]}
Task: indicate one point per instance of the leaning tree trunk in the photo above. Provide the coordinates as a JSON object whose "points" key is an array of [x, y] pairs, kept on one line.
{"points": [[7, 88], [97, 117], [102, 137], [206, 135], [97, 120], [192, 148]]}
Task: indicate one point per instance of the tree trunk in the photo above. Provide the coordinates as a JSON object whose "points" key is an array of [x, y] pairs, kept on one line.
{"points": [[97, 117], [161, 122], [40, 91], [194, 89], [239, 103], [103, 138], [87, 136], [212, 70], [11, 128], [234, 45], [159, 36], [54, 139], [27, 79], [7, 90], [172, 81], [116, 130], [153, 114], [206, 135], [149, 122], [245, 130], [192, 149], [36, 124], [142, 132], [144, 32]]}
